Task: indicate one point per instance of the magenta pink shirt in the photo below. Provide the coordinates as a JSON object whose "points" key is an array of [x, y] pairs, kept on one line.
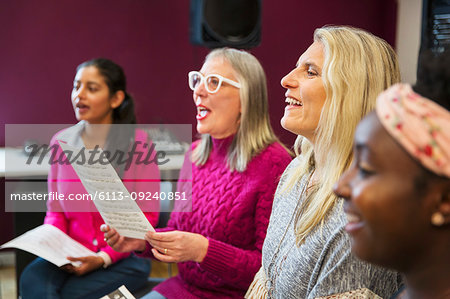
{"points": [[84, 227]]}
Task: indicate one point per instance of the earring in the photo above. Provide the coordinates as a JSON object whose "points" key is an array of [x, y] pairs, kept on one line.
{"points": [[437, 219]]}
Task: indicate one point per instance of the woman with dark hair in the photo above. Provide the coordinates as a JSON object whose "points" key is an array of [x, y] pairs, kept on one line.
{"points": [[397, 191], [115, 79], [105, 111]]}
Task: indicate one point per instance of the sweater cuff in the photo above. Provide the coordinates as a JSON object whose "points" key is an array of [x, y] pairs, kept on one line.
{"points": [[106, 258], [114, 255], [218, 257]]}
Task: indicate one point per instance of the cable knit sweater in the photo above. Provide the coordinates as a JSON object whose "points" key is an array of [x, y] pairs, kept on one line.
{"points": [[232, 210]]}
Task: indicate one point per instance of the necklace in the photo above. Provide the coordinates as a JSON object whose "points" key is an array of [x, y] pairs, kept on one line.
{"points": [[298, 211]]}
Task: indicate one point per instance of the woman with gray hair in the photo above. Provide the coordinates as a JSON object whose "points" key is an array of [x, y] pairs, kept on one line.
{"points": [[307, 253], [234, 169]]}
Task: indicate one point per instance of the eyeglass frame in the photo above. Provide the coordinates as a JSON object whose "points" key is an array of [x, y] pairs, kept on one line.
{"points": [[205, 78]]}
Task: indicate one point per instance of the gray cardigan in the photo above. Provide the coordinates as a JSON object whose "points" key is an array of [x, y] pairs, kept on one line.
{"points": [[323, 264]]}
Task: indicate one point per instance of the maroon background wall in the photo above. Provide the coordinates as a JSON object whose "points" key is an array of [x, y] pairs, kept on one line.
{"points": [[41, 43]]}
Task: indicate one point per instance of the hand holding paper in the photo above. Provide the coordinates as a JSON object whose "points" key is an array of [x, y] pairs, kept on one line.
{"points": [[51, 244], [120, 243], [84, 265]]}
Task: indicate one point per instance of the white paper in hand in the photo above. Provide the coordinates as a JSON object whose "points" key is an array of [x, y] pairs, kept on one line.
{"points": [[123, 215], [51, 244]]}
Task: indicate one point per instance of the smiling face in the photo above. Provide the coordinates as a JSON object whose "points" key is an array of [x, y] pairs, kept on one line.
{"points": [[388, 211], [91, 97], [218, 114], [305, 93]]}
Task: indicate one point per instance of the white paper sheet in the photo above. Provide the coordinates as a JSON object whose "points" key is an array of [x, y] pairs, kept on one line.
{"points": [[50, 243], [124, 215]]}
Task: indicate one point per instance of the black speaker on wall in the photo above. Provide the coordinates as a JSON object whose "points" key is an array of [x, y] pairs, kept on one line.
{"points": [[226, 23]]}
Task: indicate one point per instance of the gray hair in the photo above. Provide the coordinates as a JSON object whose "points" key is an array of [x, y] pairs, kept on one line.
{"points": [[254, 132]]}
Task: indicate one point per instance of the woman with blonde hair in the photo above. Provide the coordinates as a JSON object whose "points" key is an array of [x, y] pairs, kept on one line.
{"points": [[234, 169], [306, 253]]}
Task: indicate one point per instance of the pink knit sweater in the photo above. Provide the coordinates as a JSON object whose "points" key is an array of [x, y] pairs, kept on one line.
{"points": [[232, 210]]}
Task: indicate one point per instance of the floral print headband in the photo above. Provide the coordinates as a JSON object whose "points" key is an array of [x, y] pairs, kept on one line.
{"points": [[420, 125]]}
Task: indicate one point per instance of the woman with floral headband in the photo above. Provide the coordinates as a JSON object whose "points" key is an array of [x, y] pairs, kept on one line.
{"points": [[397, 191]]}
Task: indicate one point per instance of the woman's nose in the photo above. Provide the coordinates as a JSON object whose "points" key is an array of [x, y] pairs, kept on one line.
{"points": [[342, 187], [79, 93], [289, 80], [200, 89]]}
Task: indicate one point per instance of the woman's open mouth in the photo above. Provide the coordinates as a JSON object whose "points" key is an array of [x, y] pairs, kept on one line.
{"points": [[82, 108], [293, 103], [202, 112]]}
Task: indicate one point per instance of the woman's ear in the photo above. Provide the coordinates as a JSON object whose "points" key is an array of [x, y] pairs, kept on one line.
{"points": [[117, 99], [441, 216]]}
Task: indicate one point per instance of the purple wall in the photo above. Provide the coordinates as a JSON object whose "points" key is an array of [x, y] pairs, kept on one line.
{"points": [[41, 43]]}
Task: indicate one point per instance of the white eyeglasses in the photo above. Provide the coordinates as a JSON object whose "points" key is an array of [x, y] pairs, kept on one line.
{"points": [[213, 81]]}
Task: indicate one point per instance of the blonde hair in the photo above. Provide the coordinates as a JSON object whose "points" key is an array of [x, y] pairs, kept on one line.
{"points": [[357, 67], [254, 132]]}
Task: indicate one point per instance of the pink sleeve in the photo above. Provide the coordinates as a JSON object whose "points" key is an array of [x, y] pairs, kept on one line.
{"points": [[185, 174], [147, 180], [114, 255], [55, 215]]}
